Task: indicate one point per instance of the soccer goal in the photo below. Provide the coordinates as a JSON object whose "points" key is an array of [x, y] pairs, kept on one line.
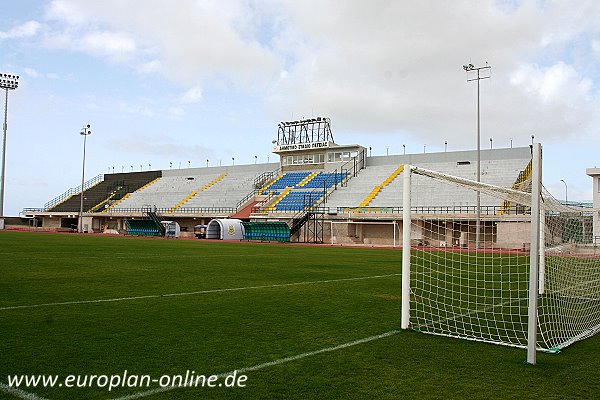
{"points": [[521, 269]]}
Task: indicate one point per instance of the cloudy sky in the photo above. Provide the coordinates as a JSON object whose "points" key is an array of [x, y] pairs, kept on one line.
{"points": [[184, 81]]}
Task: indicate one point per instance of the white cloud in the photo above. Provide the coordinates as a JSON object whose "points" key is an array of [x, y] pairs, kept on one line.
{"points": [[176, 113], [107, 43], [395, 67], [191, 43], [150, 67], [25, 30], [192, 95], [377, 67], [557, 83], [34, 73], [67, 12]]}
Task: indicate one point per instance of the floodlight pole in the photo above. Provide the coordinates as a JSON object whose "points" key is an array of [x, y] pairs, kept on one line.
{"points": [[7, 82], [470, 67], [85, 131], [566, 193]]}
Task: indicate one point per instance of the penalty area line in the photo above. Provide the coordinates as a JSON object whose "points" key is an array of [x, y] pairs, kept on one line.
{"points": [[21, 394], [199, 292], [139, 395]]}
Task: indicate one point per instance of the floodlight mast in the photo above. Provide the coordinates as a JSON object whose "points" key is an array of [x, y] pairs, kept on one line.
{"points": [[85, 131], [468, 68], [7, 82]]}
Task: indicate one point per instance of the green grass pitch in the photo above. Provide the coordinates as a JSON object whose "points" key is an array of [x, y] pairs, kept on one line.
{"points": [[168, 312]]}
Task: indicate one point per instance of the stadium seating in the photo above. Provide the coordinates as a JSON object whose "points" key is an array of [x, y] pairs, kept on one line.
{"points": [[426, 192], [113, 186], [289, 179], [298, 200], [267, 231], [326, 180], [142, 227]]}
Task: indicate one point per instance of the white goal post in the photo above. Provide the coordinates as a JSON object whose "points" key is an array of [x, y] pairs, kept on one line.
{"points": [[532, 280]]}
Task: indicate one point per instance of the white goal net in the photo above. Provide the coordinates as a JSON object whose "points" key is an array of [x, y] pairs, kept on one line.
{"points": [[475, 283]]}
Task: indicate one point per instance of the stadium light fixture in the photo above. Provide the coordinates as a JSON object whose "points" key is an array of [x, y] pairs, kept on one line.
{"points": [[470, 68], [7, 82], [85, 132]]}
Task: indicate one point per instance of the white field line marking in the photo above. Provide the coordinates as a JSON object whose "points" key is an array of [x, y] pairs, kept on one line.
{"points": [[19, 393], [280, 361], [142, 256], [155, 296]]}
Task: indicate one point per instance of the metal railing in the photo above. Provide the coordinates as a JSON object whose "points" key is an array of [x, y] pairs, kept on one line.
{"points": [[73, 191], [181, 210], [485, 210], [259, 182]]}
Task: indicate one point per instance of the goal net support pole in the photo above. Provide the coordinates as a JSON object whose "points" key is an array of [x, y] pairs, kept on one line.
{"points": [[406, 222], [534, 253]]}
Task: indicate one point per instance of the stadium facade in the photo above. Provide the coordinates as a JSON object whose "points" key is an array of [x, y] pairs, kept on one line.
{"points": [[324, 191]]}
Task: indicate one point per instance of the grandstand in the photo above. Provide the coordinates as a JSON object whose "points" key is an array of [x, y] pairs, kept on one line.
{"points": [[315, 179]]}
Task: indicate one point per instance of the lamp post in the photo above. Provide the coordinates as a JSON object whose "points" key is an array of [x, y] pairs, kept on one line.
{"points": [[232, 160], [255, 159], [445, 146], [490, 143], [387, 150], [85, 132], [7, 82], [468, 68], [207, 163], [404, 149], [566, 190]]}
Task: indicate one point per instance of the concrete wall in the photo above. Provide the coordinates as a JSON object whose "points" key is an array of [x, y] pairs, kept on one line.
{"points": [[513, 235]]}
